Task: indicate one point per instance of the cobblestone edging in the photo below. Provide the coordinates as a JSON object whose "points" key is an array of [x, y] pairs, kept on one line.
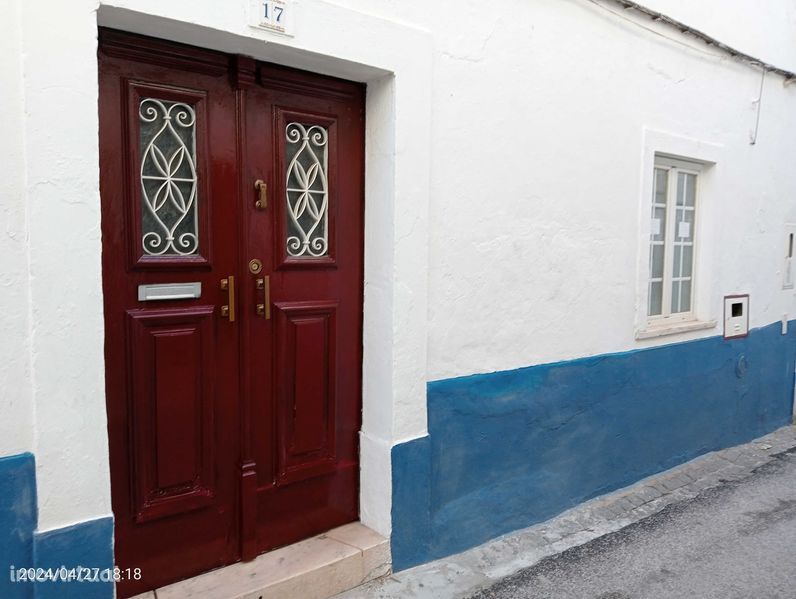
{"points": [[463, 574]]}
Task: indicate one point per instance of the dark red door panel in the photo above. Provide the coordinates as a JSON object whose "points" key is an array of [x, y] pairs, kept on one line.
{"points": [[305, 138], [168, 160], [305, 393], [172, 356]]}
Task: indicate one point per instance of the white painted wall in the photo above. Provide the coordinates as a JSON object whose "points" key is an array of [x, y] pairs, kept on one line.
{"points": [[537, 246], [16, 408], [505, 193], [62, 198]]}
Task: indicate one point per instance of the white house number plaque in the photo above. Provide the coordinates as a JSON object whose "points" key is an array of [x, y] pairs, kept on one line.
{"points": [[273, 15]]}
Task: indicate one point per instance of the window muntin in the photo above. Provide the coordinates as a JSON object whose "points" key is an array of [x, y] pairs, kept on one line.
{"points": [[672, 242]]}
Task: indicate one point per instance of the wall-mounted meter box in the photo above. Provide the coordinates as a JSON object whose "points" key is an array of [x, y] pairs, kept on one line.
{"points": [[736, 316]]}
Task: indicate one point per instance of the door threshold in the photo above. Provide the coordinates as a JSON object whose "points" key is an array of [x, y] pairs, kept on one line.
{"points": [[316, 568]]}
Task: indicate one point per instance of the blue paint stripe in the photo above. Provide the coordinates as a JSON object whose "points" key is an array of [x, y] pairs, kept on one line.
{"points": [[88, 544], [508, 449], [17, 521]]}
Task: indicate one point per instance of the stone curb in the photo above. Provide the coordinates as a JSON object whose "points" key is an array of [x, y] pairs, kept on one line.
{"points": [[461, 575]]}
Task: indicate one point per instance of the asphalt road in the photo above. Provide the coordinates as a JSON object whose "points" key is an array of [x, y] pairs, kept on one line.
{"points": [[737, 541]]}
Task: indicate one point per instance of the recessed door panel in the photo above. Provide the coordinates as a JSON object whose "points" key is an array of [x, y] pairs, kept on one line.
{"points": [[306, 391], [172, 421]]}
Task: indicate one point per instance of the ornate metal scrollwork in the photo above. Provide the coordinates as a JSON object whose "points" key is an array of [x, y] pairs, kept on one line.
{"points": [[170, 220], [307, 190]]}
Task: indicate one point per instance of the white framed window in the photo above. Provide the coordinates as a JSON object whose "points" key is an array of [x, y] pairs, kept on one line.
{"points": [[673, 242]]}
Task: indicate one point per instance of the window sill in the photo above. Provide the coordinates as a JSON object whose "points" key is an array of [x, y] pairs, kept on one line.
{"points": [[673, 329]]}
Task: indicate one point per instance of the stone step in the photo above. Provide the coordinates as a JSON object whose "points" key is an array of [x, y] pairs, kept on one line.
{"points": [[315, 568]]}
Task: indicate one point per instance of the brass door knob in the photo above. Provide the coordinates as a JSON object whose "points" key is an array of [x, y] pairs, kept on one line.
{"points": [[255, 266]]}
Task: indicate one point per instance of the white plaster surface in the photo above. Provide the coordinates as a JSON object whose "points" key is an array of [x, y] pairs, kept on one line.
{"points": [[537, 219], [506, 184], [16, 407], [62, 198]]}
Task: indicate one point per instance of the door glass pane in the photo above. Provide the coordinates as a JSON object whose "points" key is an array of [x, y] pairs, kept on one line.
{"points": [[307, 190], [169, 211]]}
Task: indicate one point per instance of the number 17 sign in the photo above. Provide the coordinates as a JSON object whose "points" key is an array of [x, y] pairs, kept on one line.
{"points": [[273, 15]]}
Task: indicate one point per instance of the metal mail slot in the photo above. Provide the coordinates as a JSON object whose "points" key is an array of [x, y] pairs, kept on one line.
{"points": [[169, 291]]}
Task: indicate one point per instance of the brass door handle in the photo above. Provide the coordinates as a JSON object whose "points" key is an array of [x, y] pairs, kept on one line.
{"points": [[264, 309], [228, 310], [262, 188]]}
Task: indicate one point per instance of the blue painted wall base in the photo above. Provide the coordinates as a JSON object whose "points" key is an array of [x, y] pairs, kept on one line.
{"points": [[85, 545], [510, 449], [17, 521], [88, 544]]}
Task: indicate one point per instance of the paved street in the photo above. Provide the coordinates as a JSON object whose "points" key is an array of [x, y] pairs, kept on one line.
{"points": [[736, 541]]}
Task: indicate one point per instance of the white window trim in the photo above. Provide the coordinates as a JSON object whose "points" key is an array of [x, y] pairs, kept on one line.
{"points": [[658, 147], [674, 168], [673, 328]]}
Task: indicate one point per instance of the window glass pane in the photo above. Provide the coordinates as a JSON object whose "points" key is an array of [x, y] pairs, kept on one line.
{"points": [[688, 217], [681, 189], [661, 180], [656, 261], [683, 253], [677, 261], [676, 297], [688, 258], [656, 298], [685, 297], [307, 190], [658, 231], [657, 236], [169, 210], [676, 244], [690, 190]]}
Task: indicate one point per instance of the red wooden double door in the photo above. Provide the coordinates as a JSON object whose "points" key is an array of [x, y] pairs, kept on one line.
{"points": [[232, 224]]}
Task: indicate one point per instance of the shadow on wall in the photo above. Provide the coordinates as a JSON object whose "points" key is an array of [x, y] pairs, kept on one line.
{"points": [[510, 449]]}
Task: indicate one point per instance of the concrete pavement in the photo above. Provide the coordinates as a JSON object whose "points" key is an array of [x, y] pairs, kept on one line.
{"points": [[735, 541], [479, 568]]}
